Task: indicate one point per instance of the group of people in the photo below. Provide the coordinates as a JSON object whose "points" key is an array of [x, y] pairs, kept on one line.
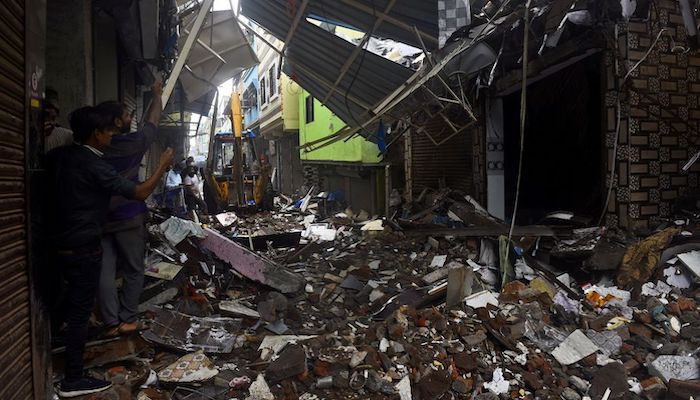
{"points": [[96, 222], [188, 180]]}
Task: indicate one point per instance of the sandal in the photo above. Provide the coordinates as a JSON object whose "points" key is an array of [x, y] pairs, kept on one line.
{"points": [[111, 332], [128, 328]]}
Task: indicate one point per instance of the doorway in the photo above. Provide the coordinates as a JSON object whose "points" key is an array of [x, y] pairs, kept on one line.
{"points": [[563, 155]]}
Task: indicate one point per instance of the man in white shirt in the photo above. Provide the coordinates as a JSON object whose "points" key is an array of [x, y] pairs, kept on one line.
{"points": [[173, 180], [193, 193]]}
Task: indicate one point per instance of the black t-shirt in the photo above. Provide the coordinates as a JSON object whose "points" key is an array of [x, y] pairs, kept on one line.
{"points": [[80, 185]]}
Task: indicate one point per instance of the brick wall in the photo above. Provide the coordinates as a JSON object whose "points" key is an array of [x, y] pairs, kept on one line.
{"points": [[659, 117]]}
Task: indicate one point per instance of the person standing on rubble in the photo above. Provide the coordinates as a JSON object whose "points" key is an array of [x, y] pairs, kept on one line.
{"points": [[80, 183], [124, 241], [193, 194]]}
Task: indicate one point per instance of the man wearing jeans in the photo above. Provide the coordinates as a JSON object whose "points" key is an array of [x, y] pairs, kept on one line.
{"points": [[124, 241], [80, 184]]}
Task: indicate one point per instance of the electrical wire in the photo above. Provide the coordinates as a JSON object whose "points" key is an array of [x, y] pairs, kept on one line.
{"points": [[523, 115], [611, 184]]}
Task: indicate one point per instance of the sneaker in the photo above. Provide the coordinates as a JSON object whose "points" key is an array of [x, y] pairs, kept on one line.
{"points": [[82, 386]]}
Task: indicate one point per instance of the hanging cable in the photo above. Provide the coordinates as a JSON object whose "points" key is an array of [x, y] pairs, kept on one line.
{"points": [[611, 184], [523, 114]]}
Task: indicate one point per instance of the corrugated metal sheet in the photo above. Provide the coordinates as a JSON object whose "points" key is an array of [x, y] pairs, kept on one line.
{"points": [[221, 33], [315, 57], [15, 326], [423, 14]]}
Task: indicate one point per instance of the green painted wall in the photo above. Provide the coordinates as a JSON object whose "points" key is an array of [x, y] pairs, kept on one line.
{"points": [[325, 123]]}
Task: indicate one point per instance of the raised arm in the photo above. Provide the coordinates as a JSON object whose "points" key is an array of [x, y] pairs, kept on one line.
{"points": [[145, 189], [154, 111]]}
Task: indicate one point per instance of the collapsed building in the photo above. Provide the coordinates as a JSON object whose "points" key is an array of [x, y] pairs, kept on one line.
{"points": [[591, 292]]}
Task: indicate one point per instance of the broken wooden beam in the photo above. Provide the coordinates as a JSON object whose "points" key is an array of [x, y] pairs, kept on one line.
{"points": [[252, 265], [478, 231]]}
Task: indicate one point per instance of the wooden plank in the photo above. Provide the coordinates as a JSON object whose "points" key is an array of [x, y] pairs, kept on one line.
{"points": [[478, 231]]}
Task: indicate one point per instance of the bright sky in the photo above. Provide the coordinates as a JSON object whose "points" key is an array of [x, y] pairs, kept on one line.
{"points": [[224, 4]]}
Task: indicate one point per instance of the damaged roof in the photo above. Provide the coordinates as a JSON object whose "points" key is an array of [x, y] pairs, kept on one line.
{"points": [[314, 58]]}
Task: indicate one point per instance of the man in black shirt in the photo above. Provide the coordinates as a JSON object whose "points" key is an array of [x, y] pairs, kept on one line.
{"points": [[80, 184]]}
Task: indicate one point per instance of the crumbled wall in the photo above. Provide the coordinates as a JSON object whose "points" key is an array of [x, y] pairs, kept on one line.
{"points": [[659, 116]]}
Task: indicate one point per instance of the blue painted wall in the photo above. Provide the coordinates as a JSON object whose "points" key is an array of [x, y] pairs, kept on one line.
{"points": [[251, 115]]}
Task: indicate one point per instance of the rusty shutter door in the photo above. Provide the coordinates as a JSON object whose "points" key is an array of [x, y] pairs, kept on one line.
{"points": [[15, 329], [450, 162]]}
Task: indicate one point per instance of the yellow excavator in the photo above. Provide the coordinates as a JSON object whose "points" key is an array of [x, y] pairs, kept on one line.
{"points": [[225, 179]]}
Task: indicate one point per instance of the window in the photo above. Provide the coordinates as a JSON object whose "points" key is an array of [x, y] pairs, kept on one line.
{"points": [[309, 109], [272, 78], [263, 91], [250, 98]]}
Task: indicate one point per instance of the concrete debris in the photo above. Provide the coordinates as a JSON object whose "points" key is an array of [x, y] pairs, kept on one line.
{"points": [[574, 348], [259, 390], [195, 367], [692, 261], [272, 345], [227, 219], [414, 312], [675, 367], [251, 265], [163, 270], [189, 333], [290, 362], [481, 299], [237, 308], [404, 388]]}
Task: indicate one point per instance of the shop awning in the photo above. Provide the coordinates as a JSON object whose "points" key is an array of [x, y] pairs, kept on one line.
{"points": [[221, 52]]}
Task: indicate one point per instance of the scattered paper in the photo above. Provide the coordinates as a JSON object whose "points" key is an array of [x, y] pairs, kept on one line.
{"points": [[376, 225], [498, 385], [176, 230], [319, 232], [574, 348], [655, 290]]}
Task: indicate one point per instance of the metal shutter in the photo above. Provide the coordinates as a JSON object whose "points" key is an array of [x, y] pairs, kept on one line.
{"points": [[15, 329], [450, 162]]}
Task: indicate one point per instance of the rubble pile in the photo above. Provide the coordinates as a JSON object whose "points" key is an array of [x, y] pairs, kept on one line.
{"points": [[371, 308]]}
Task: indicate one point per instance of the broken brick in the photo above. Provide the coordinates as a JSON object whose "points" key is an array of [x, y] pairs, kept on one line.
{"points": [[640, 330], [686, 304], [653, 387], [290, 363], [532, 381], [684, 389], [466, 361]]}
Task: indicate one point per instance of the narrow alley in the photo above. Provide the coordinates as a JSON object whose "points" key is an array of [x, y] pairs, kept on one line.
{"points": [[349, 199]]}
